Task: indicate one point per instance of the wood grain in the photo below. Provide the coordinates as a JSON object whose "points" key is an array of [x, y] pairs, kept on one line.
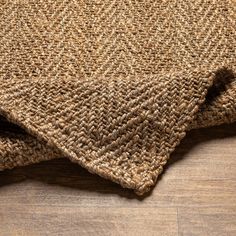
{"points": [[196, 195]]}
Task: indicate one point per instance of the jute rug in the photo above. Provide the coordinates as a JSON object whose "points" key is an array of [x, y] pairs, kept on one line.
{"points": [[113, 85]]}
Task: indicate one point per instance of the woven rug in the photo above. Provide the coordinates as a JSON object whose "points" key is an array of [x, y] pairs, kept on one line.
{"points": [[113, 85]]}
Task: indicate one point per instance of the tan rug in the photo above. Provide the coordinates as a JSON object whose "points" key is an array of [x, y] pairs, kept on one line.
{"points": [[113, 85]]}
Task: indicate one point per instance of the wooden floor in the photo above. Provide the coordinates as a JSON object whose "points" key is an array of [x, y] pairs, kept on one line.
{"points": [[196, 195]]}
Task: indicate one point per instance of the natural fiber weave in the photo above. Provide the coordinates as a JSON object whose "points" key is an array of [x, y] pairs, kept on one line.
{"points": [[113, 85]]}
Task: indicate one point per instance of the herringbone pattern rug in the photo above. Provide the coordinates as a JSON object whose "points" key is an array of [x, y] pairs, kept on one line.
{"points": [[113, 85]]}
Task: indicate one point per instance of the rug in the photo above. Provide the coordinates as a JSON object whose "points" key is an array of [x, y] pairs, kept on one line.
{"points": [[113, 85]]}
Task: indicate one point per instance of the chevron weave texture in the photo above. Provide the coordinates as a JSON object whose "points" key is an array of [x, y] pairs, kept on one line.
{"points": [[113, 85]]}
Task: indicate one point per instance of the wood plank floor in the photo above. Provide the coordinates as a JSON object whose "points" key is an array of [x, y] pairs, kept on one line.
{"points": [[196, 195]]}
